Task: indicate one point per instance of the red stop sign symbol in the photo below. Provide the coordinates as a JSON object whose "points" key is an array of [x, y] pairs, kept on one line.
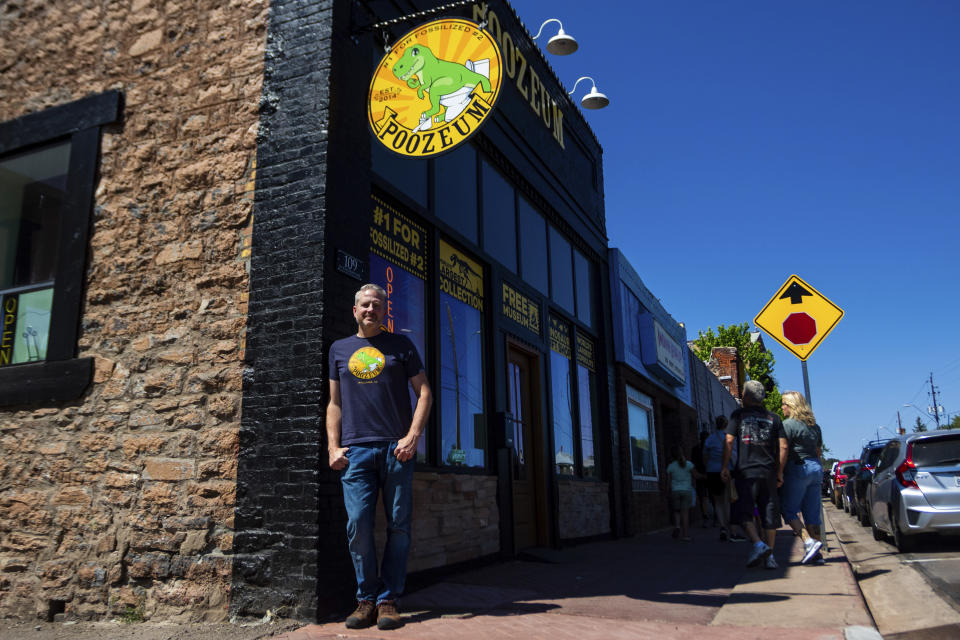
{"points": [[799, 328]]}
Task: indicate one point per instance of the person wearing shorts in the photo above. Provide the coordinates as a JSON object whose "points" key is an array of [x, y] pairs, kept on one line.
{"points": [[681, 473], [761, 444]]}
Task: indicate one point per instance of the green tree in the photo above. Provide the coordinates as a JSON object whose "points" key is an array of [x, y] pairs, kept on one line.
{"points": [[919, 427], [757, 362], [953, 424]]}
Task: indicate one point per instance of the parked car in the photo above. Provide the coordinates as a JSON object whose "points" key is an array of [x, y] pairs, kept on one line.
{"points": [[846, 495], [840, 479], [860, 508], [916, 487], [833, 475]]}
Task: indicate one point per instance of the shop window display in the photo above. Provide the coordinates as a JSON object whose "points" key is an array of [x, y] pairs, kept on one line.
{"points": [[32, 190], [463, 437], [561, 397]]}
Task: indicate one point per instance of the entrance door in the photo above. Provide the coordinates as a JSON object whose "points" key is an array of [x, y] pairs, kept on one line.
{"points": [[524, 426]]}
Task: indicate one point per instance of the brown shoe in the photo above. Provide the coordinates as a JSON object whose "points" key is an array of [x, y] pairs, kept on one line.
{"points": [[363, 617], [388, 617]]}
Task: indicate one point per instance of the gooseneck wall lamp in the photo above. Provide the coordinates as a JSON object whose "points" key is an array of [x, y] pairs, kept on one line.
{"points": [[560, 44], [594, 99]]}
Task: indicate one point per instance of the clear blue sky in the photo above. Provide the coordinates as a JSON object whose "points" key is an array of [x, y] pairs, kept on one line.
{"points": [[748, 141]]}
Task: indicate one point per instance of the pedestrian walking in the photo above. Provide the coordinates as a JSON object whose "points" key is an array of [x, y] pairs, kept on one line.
{"points": [[762, 453], [682, 473], [800, 492], [700, 484], [372, 434], [717, 488]]}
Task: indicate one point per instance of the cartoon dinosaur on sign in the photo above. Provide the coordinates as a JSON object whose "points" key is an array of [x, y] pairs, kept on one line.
{"points": [[423, 71]]}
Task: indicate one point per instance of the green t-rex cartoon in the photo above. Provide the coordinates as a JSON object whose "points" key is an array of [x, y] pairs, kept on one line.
{"points": [[423, 71], [370, 363]]}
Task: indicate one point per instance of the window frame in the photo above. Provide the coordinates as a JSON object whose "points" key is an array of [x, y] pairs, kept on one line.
{"points": [[636, 397], [62, 376]]}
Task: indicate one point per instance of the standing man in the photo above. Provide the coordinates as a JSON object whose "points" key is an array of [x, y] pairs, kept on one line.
{"points": [[372, 436], [761, 442]]}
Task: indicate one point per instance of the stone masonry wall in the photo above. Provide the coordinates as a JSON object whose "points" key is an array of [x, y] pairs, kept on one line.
{"points": [[584, 508], [124, 499]]}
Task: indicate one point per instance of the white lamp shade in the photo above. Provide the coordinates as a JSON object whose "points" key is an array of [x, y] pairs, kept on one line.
{"points": [[594, 100], [562, 44]]}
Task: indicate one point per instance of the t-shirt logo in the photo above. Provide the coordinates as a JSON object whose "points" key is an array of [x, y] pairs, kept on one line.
{"points": [[366, 363]]}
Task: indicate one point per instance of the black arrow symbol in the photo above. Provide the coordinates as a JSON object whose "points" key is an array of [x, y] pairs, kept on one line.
{"points": [[795, 292]]}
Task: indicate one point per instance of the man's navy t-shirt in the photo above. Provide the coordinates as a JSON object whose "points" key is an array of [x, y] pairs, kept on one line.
{"points": [[757, 432], [374, 375]]}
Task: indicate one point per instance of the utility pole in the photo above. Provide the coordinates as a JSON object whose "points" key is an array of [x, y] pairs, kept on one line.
{"points": [[899, 424], [936, 408]]}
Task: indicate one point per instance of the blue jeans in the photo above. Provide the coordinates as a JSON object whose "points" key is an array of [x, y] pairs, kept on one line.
{"points": [[374, 468], [800, 492]]}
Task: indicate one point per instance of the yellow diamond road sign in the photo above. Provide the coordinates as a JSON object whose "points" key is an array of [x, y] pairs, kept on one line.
{"points": [[799, 317]]}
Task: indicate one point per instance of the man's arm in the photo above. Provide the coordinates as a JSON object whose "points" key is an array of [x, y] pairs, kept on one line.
{"points": [[784, 450], [727, 452], [407, 446], [336, 454]]}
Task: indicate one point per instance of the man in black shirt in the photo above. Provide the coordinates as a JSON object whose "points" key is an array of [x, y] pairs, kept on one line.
{"points": [[762, 450]]}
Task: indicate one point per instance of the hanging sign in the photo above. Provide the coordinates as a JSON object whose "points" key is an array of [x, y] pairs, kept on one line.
{"points": [[434, 88], [460, 276], [586, 352]]}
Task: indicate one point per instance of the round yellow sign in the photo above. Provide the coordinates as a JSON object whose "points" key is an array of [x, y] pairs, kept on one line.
{"points": [[366, 363], [434, 88]]}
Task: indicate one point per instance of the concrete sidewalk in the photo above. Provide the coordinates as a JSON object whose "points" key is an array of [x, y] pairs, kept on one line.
{"points": [[650, 586]]}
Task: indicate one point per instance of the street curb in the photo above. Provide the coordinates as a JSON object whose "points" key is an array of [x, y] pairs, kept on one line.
{"points": [[849, 569]]}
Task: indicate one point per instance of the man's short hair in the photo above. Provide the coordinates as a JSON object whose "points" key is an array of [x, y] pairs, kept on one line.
{"points": [[720, 422], [370, 287], [754, 392]]}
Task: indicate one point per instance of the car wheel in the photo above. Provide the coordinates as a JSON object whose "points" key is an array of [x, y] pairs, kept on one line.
{"points": [[864, 516], [905, 543], [877, 534], [853, 509]]}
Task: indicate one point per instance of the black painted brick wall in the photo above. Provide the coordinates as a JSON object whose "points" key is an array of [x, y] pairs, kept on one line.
{"points": [[278, 493], [312, 198]]}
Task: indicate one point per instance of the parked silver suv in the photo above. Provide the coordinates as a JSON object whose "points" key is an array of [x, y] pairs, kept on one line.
{"points": [[916, 487]]}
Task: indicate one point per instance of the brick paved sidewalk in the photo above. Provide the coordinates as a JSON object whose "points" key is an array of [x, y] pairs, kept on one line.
{"points": [[646, 587]]}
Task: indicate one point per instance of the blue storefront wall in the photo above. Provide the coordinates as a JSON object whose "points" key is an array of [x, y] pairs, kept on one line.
{"points": [[639, 323]]}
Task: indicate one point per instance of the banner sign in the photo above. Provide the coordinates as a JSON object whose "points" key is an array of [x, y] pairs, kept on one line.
{"points": [[520, 309], [434, 88], [460, 276], [586, 352], [399, 239], [560, 337]]}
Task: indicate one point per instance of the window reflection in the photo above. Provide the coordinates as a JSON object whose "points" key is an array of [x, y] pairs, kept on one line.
{"points": [[533, 246], [407, 175], [463, 424], [499, 218], [406, 314], [586, 387], [583, 270], [562, 413], [455, 190], [642, 445], [516, 419], [561, 270]]}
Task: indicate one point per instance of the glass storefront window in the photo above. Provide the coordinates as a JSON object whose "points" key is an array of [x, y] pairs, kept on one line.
{"points": [[499, 218], [455, 190], [561, 271], [561, 396], [398, 264], [463, 425], [630, 320], [643, 459], [407, 175], [32, 191], [587, 402], [533, 246], [583, 271], [586, 386]]}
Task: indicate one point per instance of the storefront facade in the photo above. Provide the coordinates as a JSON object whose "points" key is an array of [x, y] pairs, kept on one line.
{"points": [[653, 395], [227, 223]]}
